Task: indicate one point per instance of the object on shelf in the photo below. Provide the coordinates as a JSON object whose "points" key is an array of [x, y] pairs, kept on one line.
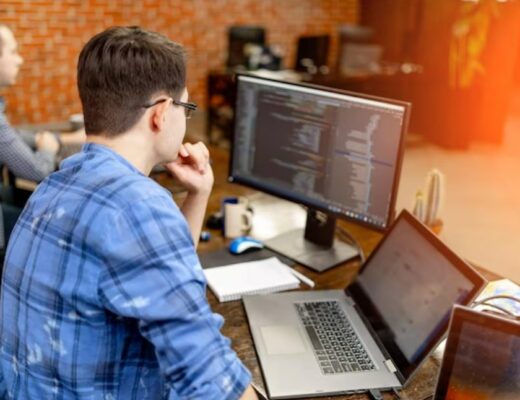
{"points": [[238, 38], [427, 206], [312, 54]]}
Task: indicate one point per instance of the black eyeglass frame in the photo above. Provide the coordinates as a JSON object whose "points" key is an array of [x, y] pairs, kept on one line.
{"points": [[189, 108]]}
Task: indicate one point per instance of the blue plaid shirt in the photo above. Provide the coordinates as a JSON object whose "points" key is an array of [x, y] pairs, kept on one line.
{"points": [[103, 296]]}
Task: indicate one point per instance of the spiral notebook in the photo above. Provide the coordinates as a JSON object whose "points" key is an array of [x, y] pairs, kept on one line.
{"points": [[231, 282]]}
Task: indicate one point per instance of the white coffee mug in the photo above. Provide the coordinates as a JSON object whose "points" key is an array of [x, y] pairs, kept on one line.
{"points": [[238, 219]]}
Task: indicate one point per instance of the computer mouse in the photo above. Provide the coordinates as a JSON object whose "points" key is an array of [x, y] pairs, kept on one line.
{"points": [[244, 244]]}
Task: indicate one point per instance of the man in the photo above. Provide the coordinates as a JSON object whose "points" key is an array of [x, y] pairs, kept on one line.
{"points": [[16, 148], [103, 296]]}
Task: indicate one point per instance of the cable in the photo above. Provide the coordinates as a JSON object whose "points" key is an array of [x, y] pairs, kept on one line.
{"points": [[396, 393], [487, 302], [375, 394], [349, 238], [499, 296], [503, 310], [352, 240]]}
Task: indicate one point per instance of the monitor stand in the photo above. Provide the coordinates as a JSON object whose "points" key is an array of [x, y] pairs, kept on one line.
{"points": [[313, 246]]}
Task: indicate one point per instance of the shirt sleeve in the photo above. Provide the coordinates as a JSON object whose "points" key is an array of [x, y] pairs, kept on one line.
{"points": [[29, 138], [20, 159], [154, 275]]}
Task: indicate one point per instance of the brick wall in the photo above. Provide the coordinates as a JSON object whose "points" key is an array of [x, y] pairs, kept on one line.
{"points": [[51, 34]]}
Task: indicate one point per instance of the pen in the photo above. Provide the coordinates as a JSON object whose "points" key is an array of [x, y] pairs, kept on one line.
{"points": [[301, 277], [261, 394]]}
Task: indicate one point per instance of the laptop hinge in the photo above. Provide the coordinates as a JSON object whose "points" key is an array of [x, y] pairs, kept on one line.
{"points": [[350, 301], [390, 366]]}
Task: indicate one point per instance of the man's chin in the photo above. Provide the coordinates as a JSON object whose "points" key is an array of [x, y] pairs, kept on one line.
{"points": [[172, 157], [168, 160]]}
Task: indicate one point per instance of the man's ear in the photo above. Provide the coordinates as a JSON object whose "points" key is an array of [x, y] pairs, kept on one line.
{"points": [[157, 116]]}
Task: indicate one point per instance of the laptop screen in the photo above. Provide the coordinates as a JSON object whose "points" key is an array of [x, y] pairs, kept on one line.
{"points": [[407, 288], [482, 358]]}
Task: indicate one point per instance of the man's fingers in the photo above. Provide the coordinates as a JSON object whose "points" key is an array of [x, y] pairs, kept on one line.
{"points": [[183, 151], [198, 155], [205, 149]]}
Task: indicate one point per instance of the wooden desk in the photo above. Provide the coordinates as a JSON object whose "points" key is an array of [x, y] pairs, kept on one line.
{"points": [[236, 327]]}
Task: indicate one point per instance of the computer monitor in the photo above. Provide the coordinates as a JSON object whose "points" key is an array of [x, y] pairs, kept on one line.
{"points": [[338, 153]]}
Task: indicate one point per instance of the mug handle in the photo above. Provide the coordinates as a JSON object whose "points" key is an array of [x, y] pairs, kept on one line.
{"points": [[247, 218]]}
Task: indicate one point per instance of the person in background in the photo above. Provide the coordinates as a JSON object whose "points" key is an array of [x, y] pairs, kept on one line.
{"points": [[103, 295], [26, 155]]}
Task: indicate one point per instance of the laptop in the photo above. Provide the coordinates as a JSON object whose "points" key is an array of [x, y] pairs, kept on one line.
{"points": [[372, 335], [482, 358]]}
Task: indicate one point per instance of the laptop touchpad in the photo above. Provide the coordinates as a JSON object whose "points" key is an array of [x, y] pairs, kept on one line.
{"points": [[282, 339]]}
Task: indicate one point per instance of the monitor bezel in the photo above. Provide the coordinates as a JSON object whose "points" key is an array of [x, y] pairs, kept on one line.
{"points": [[406, 369], [296, 197], [459, 316]]}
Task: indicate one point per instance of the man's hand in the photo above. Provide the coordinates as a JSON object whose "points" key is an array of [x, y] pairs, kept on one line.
{"points": [[192, 168], [249, 394], [46, 141]]}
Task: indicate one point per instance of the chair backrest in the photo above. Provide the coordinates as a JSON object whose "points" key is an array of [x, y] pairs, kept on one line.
{"points": [[238, 37], [314, 49]]}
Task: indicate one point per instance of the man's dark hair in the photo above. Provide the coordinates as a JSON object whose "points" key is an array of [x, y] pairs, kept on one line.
{"points": [[119, 70]]}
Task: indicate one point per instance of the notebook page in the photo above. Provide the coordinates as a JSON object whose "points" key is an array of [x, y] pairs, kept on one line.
{"points": [[255, 277]]}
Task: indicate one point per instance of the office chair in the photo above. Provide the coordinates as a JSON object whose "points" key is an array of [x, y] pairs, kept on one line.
{"points": [[312, 52], [238, 37]]}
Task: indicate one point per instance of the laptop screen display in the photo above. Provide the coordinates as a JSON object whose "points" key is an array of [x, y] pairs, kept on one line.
{"points": [[408, 287], [482, 359]]}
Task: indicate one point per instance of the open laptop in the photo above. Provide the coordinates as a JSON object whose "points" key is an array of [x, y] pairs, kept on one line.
{"points": [[482, 358], [372, 335]]}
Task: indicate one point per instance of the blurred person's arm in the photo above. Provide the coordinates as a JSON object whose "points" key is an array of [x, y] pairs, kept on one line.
{"points": [[66, 138], [47, 141], [28, 137], [21, 160]]}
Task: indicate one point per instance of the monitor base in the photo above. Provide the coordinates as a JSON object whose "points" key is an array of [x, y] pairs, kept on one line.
{"points": [[293, 245]]}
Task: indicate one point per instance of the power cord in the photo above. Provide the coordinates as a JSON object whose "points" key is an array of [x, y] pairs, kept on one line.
{"points": [[486, 302], [375, 394], [500, 296], [347, 237], [501, 309]]}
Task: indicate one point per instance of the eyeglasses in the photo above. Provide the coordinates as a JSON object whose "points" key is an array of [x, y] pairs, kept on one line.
{"points": [[189, 108]]}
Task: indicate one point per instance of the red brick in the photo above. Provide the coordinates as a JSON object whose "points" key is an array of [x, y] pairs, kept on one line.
{"points": [[52, 33]]}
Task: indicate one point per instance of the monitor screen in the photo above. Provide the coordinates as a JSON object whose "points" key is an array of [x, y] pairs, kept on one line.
{"points": [[481, 359], [331, 150]]}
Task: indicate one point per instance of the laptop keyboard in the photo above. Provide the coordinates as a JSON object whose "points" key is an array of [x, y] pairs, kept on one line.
{"points": [[335, 343]]}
